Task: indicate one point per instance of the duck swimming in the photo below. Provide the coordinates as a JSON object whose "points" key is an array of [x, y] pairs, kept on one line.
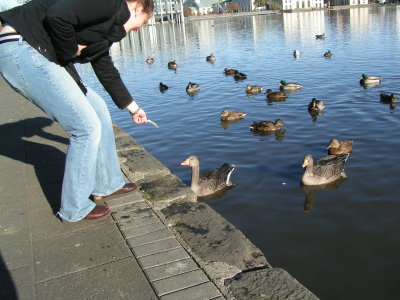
{"points": [[365, 79], [328, 169], [231, 116], [268, 126], [192, 88], [149, 60], [388, 98], [210, 58], [328, 53], [296, 53], [320, 36], [230, 71], [163, 87], [289, 86], [316, 106], [336, 147], [276, 95], [210, 182], [172, 65], [253, 89], [239, 76]]}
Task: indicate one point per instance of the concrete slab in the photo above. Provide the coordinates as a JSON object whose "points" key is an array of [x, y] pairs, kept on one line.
{"points": [[122, 201], [23, 282], [120, 279], [163, 258], [203, 291], [131, 207], [171, 269], [141, 214], [156, 247], [151, 237], [179, 282], [78, 251], [141, 230]]}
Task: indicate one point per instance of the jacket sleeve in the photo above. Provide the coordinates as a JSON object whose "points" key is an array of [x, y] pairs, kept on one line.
{"points": [[65, 15], [109, 77]]}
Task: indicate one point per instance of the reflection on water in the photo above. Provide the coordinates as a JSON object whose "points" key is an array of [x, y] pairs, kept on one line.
{"points": [[267, 204], [309, 190]]}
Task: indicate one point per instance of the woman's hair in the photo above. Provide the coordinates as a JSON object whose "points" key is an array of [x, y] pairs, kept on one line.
{"points": [[148, 5]]}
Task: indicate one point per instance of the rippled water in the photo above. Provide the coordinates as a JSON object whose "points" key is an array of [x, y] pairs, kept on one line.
{"points": [[341, 243]]}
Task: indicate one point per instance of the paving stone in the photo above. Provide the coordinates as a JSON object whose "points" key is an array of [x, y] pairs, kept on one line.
{"points": [[141, 230], [156, 247], [199, 292], [132, 215], [77, 251], [163, 258], [121, 279], [151, 237], [179, 282], [121, 201], [131, 207], [171, 269], [23, 284]]}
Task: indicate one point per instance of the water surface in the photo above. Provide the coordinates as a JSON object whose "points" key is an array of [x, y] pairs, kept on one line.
{"points": [[341, 243]]}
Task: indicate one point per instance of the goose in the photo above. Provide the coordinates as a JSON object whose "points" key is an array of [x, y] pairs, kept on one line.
{"points": [[296, 53], [326, 170], [163, 87], [320, 36], [210, 58], [239, 76], [336, 147], [276, 95], [253, 89], [268, 126], [289, 86], [210, 182], [149, 60], [230, 71], [328, 53], [231, 116], [172, 65], [365, 79], [316, 106], [192, 88], [388, 98]]}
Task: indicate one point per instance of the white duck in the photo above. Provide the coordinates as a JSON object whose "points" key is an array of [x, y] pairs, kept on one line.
{"points": [[210, 182]]}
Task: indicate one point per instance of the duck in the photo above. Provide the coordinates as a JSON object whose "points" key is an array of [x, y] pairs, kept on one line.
{"points": [[365, 79], [253, 89], [336, 147], [320, 36], [289, 86], [239, 76], [276, 95], [316, 106], [268, 126], [163, 87], [230, 71], [231, 116], [296, 53], [172, 65], [388, 98], [210, 58], [210, 182], [328, 53], [149, 60], [326, 170], [192, 88]]}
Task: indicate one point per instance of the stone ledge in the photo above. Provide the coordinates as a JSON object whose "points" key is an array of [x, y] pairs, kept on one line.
{"points": [[237, 267]]}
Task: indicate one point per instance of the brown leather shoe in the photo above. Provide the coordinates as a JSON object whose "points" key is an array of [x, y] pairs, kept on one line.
{"points": [[128, 187], [97, 212]]}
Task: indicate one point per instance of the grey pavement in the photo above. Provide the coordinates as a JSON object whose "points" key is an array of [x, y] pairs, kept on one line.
{"points": [[129, 255]]}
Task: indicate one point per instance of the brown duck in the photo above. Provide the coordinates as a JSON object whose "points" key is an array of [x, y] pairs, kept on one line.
{"points": [[268, 126], [336, 146], [231, 116]]}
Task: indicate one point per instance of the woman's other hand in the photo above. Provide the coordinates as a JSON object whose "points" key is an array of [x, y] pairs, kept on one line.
{"points": [[80, 48], [138, 114]]}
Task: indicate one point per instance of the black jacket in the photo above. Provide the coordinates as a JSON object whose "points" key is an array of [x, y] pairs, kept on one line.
{"points": [[56, 27]]}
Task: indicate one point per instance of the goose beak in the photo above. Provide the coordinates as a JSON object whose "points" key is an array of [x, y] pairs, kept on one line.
{"points": [[305, 163], [185, 162]]}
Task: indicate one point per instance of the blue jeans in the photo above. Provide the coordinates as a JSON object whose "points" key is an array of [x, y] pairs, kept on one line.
{"points": [[92, 165]]}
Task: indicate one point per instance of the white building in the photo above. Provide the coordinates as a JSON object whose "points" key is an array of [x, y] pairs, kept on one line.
{"points": [[293, 4]]}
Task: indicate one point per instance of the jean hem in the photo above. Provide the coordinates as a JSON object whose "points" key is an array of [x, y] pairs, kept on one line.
{"points": [[76, 219]]}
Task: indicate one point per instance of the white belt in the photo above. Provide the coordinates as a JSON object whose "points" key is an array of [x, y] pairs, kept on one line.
{"points": [[10, 37]]}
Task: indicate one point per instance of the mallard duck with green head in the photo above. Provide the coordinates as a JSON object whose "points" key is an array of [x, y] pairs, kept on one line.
{"points": [[289, 86], [365, 79], [268, 126], [316, 106]]}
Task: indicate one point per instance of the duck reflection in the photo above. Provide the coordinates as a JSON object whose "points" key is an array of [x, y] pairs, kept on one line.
{"points": [[314, 115], [279, 135], [310, 194]]}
